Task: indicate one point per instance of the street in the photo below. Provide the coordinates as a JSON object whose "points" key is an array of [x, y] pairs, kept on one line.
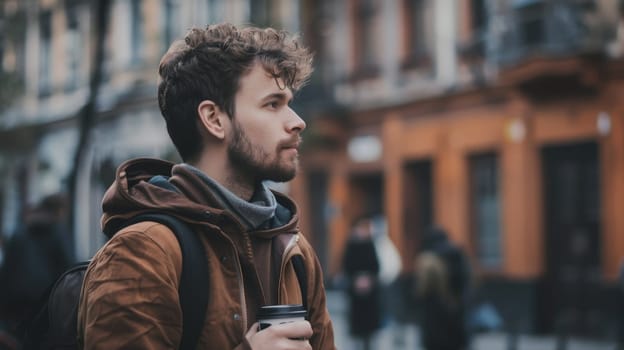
{"points": [[397, 337]]}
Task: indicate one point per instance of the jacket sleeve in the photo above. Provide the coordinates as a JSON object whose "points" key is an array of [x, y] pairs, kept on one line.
{"points": [[129, 297], [323, 338]]}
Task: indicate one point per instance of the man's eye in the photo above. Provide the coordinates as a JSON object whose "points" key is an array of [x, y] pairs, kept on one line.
{"points": [[273, 104]]}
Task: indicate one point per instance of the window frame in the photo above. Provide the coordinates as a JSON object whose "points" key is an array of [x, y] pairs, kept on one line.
{"points": [[480, 165]]}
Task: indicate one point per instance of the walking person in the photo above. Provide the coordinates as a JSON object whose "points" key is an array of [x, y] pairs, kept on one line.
{"points": [[442, 280], [361, 267], [225, 94]]}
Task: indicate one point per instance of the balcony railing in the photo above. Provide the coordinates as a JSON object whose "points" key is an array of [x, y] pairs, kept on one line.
{"points": [[541, 28]]}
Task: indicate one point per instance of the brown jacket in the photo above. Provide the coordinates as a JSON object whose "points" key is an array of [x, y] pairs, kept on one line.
{"points": [[129, 297]]}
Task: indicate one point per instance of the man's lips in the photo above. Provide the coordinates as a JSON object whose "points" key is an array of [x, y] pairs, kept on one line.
{"points": [[292, 145]]}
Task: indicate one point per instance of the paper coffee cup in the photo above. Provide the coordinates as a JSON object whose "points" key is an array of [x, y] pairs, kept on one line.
{"points": [[277, 314]]}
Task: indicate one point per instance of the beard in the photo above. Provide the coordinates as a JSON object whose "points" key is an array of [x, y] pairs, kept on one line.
{"points": [[249, 160]]}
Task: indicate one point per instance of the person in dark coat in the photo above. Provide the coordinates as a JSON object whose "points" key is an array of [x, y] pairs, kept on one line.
{"points": [[361, 268], [443, 283], [35, 256]]}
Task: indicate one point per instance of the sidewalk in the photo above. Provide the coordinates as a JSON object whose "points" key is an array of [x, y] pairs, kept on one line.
{"points": [[406, 337]]}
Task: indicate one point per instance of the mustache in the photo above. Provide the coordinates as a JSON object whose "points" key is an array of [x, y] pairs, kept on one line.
{"points": [[294, 142]]}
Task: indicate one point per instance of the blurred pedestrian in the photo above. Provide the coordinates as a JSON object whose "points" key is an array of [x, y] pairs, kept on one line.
{"points": [[391, 290], [34, 258], [442, 275], [361, 267]]}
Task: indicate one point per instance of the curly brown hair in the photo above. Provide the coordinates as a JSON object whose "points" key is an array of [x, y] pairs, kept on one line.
{"points": [[208, 64]]}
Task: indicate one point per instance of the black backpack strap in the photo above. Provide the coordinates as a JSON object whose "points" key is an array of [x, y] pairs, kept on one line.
{"points": [[194, 281], [302, 277]]}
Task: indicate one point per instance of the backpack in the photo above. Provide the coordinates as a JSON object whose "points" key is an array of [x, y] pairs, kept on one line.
{"points": [[51, 328]]}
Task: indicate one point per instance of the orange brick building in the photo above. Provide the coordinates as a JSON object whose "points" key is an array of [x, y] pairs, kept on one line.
{"points": [[525, 171]]}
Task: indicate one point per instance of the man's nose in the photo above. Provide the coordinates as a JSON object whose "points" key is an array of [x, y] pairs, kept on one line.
{"points": [[295, 123]]}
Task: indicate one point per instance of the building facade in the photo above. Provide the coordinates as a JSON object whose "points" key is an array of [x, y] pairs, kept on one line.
{"points": [[500, 121]]}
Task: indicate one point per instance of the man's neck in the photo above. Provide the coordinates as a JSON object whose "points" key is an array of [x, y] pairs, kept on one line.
{"points": [[241, 188], [221, 172]]}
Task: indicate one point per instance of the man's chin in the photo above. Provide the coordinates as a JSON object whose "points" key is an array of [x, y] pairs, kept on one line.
{"points": [[285, 177], [283, 174]]}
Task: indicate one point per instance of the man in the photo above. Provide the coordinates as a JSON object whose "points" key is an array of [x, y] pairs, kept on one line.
{"points": [[224, 94]]}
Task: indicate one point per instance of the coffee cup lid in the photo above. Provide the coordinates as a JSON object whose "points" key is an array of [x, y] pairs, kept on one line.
{"points": [[281, 311]]}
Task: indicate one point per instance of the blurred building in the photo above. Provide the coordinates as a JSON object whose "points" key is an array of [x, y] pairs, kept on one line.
{"points": [[500, 120]]}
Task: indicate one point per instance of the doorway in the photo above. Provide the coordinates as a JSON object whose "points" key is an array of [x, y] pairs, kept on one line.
{"points": [[417, 205], [569, 299]]}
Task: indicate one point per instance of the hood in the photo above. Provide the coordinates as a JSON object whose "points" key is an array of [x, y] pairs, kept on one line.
{"points": [[150, 185]]}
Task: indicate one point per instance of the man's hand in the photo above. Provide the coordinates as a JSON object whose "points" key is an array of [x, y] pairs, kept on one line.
{"points": [[281, 337]]}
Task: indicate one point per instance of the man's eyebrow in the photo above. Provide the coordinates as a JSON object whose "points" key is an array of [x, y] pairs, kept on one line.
{"points": [[279, 96]]}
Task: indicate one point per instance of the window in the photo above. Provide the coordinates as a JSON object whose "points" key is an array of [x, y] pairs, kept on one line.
{"points": [[259, 12], [478, 23], [45, 54], [136, 23], [364, 19], [264, 13], [485, 210], [418, 17], [473, 34], [531, 22], [478, 15], [73, 43], [170, 12], [215, 11]]}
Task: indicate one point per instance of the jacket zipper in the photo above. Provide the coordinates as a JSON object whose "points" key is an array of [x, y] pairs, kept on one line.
{"points": [[241, 284]]}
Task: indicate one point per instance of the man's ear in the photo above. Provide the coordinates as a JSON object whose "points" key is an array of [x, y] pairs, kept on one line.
{"points": [[211, 118]]}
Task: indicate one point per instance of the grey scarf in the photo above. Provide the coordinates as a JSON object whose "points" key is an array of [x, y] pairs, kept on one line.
{"points": [[253, 214]]}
